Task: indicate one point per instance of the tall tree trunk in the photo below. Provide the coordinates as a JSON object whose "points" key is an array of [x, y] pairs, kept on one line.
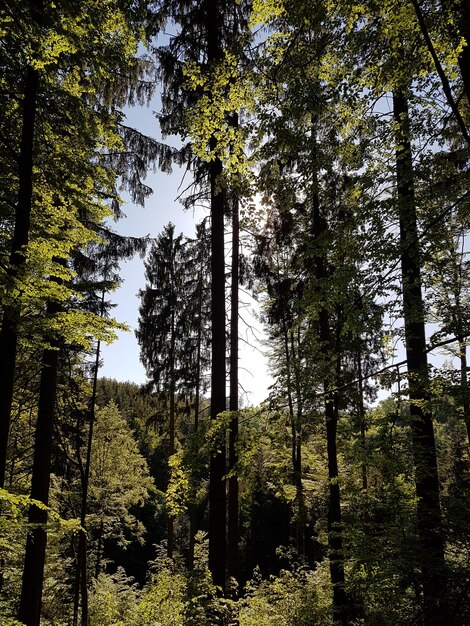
{"points": [[430, 532], [464, 385], [295, 448], [171, 451], [11, 312], [33, 572], [335, 533], [233, 531], [362, 426], [217, 496], [81, 588], [193, 506], [297, 418]]}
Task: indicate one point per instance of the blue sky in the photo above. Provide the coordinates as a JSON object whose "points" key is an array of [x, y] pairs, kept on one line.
{"points": [[121, 358]]}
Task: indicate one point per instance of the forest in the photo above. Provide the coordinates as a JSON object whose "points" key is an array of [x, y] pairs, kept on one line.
{"points": [[328, 144]]}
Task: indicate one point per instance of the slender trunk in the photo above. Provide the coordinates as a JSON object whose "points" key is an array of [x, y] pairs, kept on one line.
{"points": [[300, 521], [198, 350], [430, 532], [33, 572], [335, 535], [11, 312], [233, 530], [335, 531], [81, 588], [171, 451], [217, 496], [362, 425], [292, 417], [193, 506], [464, 385]]}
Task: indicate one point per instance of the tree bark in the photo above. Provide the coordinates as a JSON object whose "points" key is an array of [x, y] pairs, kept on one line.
{"points": [[233, 531], [430, 532], [335, 535], [464, 386], [217, 495], [33, 572], [297, 418], [11, 312], [81, 588], [171, 451], [193, 506], [363, 428]]}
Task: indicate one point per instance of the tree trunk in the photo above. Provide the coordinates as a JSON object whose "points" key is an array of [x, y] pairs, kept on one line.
{"points": [[217, 496], [217, 511], [171, 451], [362, 426], [297, 418], [464, 386], [430, 532], [335, 531], [81, 588], [233, 531], [11, 312], [193, 505], [295, 448], [335, 536], [33, 572]]}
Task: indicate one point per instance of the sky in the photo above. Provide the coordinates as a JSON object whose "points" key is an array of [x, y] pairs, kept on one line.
{"points": [[121, 358]]}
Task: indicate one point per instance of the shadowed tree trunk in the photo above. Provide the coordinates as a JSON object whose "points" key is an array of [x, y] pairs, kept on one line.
{"points": [[171, 451], [197, 402], [33, 571], [362, 426], [233, 531], [81, 588], [335, 534], [430, 532], [217, 496], [464, 385], [11, 312], [296, 428]]}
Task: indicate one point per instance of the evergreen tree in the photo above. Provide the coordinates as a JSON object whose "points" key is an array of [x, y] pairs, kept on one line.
{"points": [[171, 330]]}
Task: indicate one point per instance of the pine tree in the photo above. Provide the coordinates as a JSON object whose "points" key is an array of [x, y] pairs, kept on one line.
{"points": [[171, 330]]}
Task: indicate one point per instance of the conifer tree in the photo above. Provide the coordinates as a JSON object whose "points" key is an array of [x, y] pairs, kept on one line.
{"points": [[171, 330]]}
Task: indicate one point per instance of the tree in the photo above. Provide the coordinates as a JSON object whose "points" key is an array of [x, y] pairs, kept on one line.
{"points": [[119, 481], [59, 209], [427, 485], [171, 333]]}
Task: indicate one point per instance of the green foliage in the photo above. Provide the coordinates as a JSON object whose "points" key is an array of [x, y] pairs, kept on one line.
{"points": [[294, 598], [172, 597], [220, 92], [112, 600], [178, 487], [119, 478], [163, 600], [13, 507]]}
